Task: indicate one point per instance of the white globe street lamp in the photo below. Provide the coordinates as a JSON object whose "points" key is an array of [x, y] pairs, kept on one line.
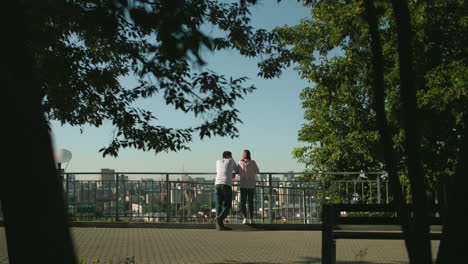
{"points": [[62, 156]]}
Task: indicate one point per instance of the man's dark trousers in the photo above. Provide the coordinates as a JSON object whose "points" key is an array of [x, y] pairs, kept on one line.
{"points": [[223, 200]]}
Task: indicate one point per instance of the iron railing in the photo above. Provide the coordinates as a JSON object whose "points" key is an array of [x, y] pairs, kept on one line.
{"points": [[189, 197]]}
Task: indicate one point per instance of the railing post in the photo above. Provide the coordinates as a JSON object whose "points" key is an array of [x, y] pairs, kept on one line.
{"points": [[270, 196], [305, 205], [362, 192], [263, 201], [124, 196], [378, 189], [210, 205], [66, 197], [324, 189], [168, 198], [117, 197], [386, 191], [328, 243], [60, 176], [66, 188], [287, 198]]}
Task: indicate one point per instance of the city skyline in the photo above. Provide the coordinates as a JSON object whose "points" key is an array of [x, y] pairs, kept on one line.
{"points": [[186, 199], [108, 175]]}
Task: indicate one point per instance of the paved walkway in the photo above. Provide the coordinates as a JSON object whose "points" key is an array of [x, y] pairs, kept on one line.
{"points": [[153, 245]]}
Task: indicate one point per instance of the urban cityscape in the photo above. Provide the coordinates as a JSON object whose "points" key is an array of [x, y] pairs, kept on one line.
{"points": [[190, 198]]}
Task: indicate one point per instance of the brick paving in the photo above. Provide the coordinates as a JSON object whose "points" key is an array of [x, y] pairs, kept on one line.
{"points": [[158, 245]]}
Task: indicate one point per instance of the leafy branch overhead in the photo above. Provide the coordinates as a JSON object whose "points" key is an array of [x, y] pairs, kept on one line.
{"points": [[83, 48], [332, 50]]}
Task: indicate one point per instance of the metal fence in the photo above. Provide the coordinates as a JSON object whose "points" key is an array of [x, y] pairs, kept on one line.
{"points": [[189, 197]]}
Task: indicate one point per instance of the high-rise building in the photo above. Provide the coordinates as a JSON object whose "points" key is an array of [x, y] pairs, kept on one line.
{"points": [[71, 177], [199, 179], [107, 177], [123, 178], [290, 194], [71, 187], [186, 177], [289, 176], [177, 195]]}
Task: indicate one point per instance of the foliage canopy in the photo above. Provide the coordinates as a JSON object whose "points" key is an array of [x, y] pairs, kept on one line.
{"points": [[83, 48], [332, 51]]}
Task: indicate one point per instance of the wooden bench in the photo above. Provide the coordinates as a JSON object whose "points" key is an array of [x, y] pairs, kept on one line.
{"points": [[332, 219]]}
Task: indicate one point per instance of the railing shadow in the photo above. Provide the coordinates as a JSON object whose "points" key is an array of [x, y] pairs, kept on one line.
{"points": [[315, 260]]}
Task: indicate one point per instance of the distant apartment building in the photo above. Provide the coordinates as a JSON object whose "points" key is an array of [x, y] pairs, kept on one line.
{"points": [[186, 177], [203, 194], [147, 180], [199, 179], [107, 177], [136, 209], [149, 186], [275, 181], [72, 187], [87, 191], [289, 194], [122, 178], [289, 176], [105, 194], [71, 177], [177, 196]]}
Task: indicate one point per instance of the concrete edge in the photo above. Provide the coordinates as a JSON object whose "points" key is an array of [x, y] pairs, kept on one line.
{"points": [[250, 227], [140, 225]]}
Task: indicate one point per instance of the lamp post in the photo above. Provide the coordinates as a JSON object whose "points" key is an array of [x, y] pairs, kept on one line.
{"points": [[62, 156]]}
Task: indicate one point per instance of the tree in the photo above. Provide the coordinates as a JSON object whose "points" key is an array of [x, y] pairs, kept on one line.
{"points": [[99, 42], [63, 61], [420, 248], [378, 93], [398, 84], [332, 50]]}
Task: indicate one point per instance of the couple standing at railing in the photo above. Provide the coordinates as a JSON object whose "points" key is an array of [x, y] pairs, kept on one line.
{"points": [[226, 170]]}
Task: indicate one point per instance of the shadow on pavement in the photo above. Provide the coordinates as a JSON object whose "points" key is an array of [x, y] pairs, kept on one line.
{"points": [[239, 262], [314, 260]]}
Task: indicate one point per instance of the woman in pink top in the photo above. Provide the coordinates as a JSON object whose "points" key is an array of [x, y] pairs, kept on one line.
{"points": [[248, 171]]}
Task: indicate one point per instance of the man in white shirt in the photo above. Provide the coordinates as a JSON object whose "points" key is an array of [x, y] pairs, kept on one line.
{"points": [[226, 170]]}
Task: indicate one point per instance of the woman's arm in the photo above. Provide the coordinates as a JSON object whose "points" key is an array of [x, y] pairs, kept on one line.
{"points": [[256, 170]]}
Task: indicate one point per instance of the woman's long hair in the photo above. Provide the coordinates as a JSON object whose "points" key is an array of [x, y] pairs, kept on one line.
{"points": [[246, 155]]}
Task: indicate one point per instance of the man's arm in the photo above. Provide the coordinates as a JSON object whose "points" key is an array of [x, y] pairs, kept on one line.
{"points": [[235, 169], [217, 167]]}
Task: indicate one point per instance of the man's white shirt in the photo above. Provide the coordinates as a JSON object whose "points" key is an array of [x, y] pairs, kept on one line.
{"points": [[224, 171]]}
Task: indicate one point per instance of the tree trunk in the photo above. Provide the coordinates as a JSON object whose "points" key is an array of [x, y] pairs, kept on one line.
{"points": [[420, 232], [455, 236], [30, 192], [442, 197], [384, 131]]}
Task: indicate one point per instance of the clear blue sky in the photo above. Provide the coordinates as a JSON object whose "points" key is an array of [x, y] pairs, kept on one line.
{"points": [[272, 116]]}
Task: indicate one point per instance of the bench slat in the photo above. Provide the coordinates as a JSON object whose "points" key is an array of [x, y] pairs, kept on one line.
{"points": [[364, 207], [367, 220], [377, 220], [376, 235]]}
